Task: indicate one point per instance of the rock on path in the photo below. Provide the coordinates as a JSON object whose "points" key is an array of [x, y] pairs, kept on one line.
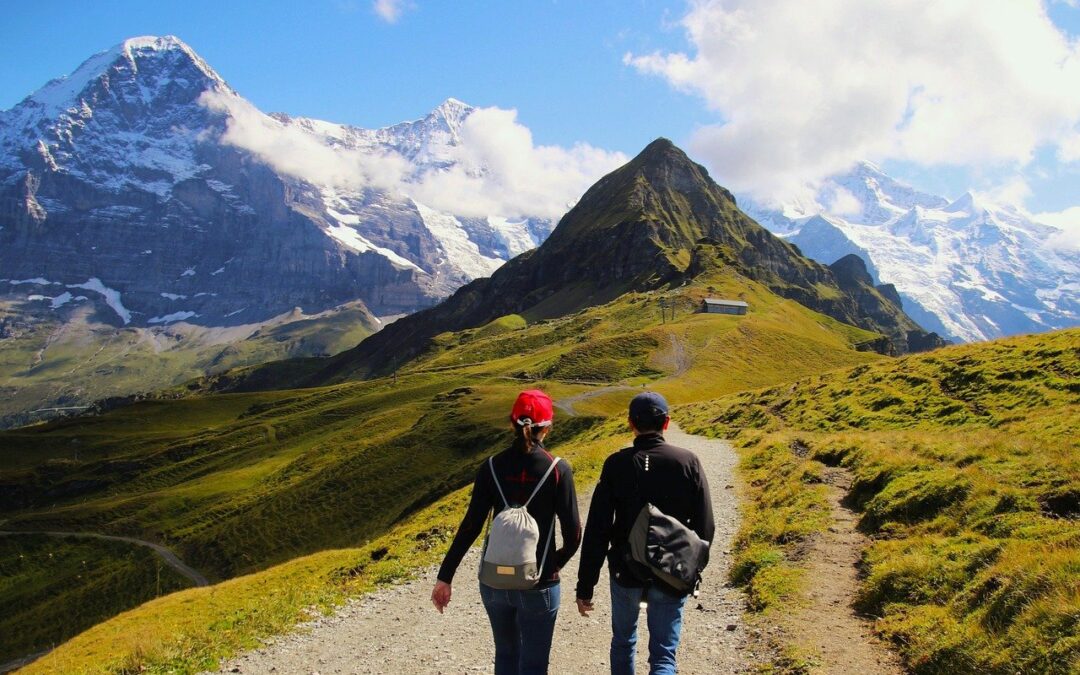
{"points": [[396, 630]]}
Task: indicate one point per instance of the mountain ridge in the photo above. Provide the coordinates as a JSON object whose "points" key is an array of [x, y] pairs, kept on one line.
{"points": [[659, 219], [103, 169], [966, 267]]}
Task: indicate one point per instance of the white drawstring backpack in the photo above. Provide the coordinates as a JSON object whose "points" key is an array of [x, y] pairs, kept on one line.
{"points": [[509, 558]]}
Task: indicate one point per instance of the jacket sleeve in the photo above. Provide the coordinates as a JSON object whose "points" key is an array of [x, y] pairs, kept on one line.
{"points": [[594, 547], [471, 525], [705, 525], [569, 519]]}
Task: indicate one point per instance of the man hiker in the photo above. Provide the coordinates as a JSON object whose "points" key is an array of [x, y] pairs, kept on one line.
{"points": [[670, 479]]}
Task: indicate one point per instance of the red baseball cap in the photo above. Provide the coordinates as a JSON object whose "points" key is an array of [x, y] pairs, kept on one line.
{"points": [[533, 408]]}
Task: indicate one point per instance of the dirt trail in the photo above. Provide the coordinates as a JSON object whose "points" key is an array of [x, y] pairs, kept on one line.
{"points": [[567, 404], [828, 626], [170, 558], [396, 630]]}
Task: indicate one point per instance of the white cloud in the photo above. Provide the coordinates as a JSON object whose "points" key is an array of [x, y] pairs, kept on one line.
{"points": [[301, 154], [390, 10], [500, 170], [840, 202], [1068, 224], [497, 168], [1014, 192], [803, 88]]}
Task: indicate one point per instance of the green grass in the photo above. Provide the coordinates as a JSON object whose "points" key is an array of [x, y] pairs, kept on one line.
{"points": [[966, 467], [51, 588], [189, 631], [238, 483], [50, 363]]}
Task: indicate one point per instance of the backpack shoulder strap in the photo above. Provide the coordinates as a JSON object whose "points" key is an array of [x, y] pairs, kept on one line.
{"points": [[495, 477], [554, 461]]}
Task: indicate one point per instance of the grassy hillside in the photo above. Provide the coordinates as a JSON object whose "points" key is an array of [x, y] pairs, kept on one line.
{"points": [[966, 466], [51, 589], [236, 483], [51, 359]]}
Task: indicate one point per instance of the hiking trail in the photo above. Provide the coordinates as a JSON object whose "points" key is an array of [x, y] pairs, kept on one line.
{"points": [[396, 630]]}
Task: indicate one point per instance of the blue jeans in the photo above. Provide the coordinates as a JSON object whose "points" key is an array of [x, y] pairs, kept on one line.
{"points": [[664, 617], [522, 623]]}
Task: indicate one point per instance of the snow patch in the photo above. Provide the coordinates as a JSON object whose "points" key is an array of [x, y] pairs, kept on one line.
{"points": [[172, 318], [112, 297], [189, 272], [38, 281], [174, 296], [515, 234], [456, 244], [351, 238], [61, 300]]}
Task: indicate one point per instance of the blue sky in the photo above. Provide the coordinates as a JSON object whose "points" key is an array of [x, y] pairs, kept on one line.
{"points": [[564, 67]]}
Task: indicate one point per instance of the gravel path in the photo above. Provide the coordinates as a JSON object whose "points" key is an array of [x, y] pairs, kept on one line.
{"points": [[396, 630]]}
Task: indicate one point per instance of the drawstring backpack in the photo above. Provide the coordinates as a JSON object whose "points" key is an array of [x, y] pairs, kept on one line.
{"points": [[509, 558]]}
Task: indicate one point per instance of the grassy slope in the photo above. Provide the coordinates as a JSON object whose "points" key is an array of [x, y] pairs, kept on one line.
{"points": [[49, 362], [967, 473], [52, 588], [243, 481]]}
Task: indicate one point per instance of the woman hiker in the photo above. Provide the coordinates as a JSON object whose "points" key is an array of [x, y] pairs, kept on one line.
{"points": [[526, 488]]}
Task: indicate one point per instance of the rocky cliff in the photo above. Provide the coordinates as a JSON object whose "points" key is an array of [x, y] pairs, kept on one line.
{"points": [[120, 180]]}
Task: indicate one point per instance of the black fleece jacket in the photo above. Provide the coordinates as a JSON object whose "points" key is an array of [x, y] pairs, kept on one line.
{"points": [[518, 473], [674, 483]]}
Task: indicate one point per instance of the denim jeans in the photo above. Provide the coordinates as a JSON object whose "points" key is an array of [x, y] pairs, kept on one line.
{"points": [[522, 623], [664, 616]]}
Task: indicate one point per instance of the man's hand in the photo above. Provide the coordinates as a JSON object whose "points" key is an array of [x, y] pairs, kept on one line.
{"points": [[440, 596], [584, 607]]}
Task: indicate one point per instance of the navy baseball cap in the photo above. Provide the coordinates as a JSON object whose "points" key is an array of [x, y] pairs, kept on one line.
{"points": [[648, 406]]}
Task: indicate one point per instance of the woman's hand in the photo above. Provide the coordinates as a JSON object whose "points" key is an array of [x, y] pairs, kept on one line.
{"points": [[440, 596]]}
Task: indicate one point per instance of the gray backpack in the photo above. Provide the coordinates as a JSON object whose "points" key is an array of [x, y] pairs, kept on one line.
{"points": [[509, 558]]}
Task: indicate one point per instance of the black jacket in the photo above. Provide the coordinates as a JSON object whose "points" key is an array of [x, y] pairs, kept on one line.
{"points": [[518, 473], [674, 483]]}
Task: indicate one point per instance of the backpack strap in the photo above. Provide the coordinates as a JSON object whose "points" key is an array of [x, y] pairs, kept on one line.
{"points": [[554, 461], [551, 529], [495, 477]]}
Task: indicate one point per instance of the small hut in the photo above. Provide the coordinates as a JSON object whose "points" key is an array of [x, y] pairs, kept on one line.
{"points": [[718, 306]]}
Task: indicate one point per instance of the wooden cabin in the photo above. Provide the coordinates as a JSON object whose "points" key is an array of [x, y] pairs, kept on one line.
{"points": [[718, 306]]}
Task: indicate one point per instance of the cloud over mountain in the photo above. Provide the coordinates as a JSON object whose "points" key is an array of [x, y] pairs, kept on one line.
{"points": [[497, 167], [803, 89]]}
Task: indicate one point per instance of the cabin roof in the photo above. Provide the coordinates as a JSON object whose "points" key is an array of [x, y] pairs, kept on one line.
{"points": [[725, 303]]}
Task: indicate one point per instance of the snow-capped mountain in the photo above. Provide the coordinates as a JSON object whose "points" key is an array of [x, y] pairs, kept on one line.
{"points": [[967, 268], [119, 186]]}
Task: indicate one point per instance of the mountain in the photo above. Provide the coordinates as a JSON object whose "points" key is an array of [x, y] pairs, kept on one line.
{"points": [[141, 246], [659, 220], [120, 180], [968, 269]]}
